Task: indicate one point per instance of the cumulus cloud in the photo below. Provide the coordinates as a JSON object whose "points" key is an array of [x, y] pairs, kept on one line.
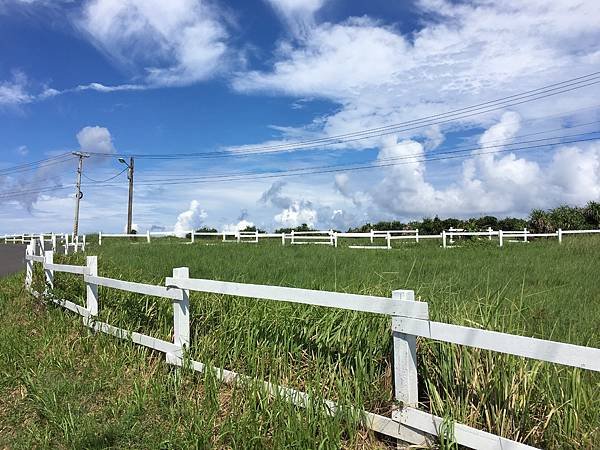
{"points": [[95, 139], [489, 183], [466, 53], [294, 212], [168, 43], [241, 225], [190, 220], [297, 213]]}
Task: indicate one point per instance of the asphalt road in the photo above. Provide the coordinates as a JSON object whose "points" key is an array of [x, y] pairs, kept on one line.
{"points": [[12, 258]]}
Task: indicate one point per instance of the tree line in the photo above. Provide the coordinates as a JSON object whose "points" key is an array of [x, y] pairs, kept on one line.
{"points": [[539, 221]]}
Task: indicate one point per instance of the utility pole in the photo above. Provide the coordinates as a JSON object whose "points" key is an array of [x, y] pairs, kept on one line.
{"points": [[130, 166], [78, 193]]}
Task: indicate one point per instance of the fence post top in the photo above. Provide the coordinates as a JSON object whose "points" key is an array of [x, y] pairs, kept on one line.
{"points": [[181, 272], [403, 294]]}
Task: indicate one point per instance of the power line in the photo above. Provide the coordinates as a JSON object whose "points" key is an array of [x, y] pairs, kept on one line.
{"points": [[311, 170], [108, 179], [60, 159], [455, 149], [16, 194], [450, 116], [333, 169]]}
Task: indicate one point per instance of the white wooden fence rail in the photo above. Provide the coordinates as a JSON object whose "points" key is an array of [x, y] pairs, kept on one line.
{"points": [[326, 237], [409, 320]]}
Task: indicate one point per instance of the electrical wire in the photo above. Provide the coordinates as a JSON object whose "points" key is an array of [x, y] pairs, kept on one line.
{"points": [[311, 171], [455, 149], [108, 179], [34, 165], [296, 172], [16, 194], [450, 116]]}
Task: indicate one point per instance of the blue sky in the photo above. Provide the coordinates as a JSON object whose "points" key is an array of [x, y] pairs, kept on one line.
{"points": [[188, 76]]}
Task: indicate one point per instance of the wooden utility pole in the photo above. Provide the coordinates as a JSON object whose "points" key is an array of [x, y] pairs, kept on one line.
{"points": [[78, 193], [130, 205], [130, 168]]}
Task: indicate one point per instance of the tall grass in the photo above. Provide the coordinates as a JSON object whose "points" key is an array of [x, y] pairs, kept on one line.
{"points": [[539, 289]]}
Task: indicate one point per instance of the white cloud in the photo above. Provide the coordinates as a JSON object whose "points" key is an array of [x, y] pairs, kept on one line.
{"points": [[190, 220], [234, 227], [298, 14], [297, 213], [14, 92], [168, 43], [342, 183], [96, 140], [468, 54], [487, 183], [23, 150]]}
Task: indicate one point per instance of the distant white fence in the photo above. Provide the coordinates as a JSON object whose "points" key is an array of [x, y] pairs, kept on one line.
{"points": [[377, 239], [50, 241], [409, 319], [313, 237]]}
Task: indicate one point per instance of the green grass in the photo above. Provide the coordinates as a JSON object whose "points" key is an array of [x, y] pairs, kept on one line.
{"points": [[539, 289]]}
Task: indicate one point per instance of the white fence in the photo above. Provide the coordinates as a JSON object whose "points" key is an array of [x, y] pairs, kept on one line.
{"points": [[409, 319], [377, 239], [49, 240]]}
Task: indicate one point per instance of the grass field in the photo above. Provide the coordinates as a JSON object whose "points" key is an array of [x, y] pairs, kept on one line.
{"points": [[62, 387]]}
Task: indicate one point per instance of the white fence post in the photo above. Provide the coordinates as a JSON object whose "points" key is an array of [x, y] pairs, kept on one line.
{"points": [[283, 238], [256, 235], [29, 267], [192, 236], [54, 249], [49, 274], [417, 236], [444, 238], [148, 236], [489, 230], [181, 319], [292, 241], [524, 234], [388, 238], [100, 238], [372, 233], [405, 359], [92, 289], [500, 238], [559, 233], [66, 244], [223, 236], [238, 236]]}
